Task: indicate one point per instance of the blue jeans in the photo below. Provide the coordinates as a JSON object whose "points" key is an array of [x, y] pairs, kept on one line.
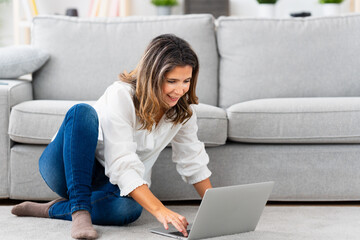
{"points": [[69, 168]]}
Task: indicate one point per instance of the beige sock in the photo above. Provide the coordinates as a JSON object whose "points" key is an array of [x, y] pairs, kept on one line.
{"points": [[82, 227], [33, 209]]}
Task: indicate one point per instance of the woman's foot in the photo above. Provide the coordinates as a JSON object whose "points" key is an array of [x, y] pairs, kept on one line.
{"points": [[33, 209], [82, 227]]}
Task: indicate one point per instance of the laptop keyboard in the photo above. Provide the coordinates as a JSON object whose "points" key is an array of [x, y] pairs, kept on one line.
{"points": [[179, 233]]}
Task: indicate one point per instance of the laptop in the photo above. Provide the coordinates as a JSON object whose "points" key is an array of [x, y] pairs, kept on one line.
{"points": [[225, 211]]}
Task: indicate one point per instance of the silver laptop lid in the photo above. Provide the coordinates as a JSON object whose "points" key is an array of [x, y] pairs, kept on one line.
{"points": [[230, 210]]}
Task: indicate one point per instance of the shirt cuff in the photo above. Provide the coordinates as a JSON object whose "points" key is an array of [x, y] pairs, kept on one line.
{"points": [[129, 181], [201, 175]]}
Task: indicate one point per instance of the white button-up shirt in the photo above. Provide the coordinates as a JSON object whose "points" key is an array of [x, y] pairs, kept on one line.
{"points": [[128, 154]]}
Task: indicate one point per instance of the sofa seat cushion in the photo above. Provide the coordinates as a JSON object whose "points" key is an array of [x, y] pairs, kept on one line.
{"points": [[296, 120], [36, 122], [212, 123]]}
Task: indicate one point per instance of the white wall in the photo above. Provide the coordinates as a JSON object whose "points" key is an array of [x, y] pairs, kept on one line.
{"points": [[246, 8], [6, 35]]}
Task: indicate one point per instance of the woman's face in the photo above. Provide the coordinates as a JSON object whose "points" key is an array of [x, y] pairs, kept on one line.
{"points": [[176, 84]]}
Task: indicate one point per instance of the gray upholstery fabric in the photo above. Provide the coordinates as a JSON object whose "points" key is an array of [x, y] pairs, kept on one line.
{"points": [[88, 55], [26, 181], [301, 172], [11, 93], [16, 61], [36, 122], [275, 58], [212, 123], [296, 120]]}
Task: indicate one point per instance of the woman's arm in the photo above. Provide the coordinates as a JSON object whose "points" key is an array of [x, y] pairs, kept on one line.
{"points": [[147, 200], [202, 186]]}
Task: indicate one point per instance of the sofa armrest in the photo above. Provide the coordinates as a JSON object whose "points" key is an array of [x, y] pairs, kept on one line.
{"points": [[12, 92]]}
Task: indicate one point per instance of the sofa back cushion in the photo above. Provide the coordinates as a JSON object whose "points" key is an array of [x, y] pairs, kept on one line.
{"points": [[86, 55], [278, 58]]}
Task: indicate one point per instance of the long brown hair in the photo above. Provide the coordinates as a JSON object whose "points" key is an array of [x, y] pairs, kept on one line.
{"points": [[162, 55]]}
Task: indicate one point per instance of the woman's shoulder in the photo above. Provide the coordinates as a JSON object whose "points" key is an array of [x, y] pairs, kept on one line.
{"points": [[119, 91], [117, 101], [120, 86], [119, 95]]}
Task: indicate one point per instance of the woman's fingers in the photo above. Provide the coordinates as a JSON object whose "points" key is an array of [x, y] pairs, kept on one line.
{"points": [[179, 226], [166, 216], [166, 225], [183, 220]]}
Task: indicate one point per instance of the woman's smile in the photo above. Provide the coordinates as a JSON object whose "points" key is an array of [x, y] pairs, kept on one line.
{"points": [[176, 84]]}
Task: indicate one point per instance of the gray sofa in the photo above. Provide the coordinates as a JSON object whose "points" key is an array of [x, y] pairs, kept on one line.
{"points": [[279, 100]]}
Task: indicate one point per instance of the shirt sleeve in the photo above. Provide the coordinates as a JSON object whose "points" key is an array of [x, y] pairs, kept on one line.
{"points": [[189, 153], [122, 164]]}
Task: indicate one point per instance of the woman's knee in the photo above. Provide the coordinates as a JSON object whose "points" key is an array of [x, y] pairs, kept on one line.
{"points": [[85, 115], [84, 111], [126, 212], [134, 211], [121, 211]]}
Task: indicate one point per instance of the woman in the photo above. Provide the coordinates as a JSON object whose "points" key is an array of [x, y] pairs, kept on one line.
{"points": [[100, 160]]}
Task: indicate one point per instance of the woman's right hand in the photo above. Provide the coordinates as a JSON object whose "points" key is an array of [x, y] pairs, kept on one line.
{"points": [[165, 216], [145, 198]]}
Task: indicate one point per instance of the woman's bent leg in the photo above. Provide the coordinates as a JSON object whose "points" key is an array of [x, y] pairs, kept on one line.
{"points": [[66, 164], [81, 136]]}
